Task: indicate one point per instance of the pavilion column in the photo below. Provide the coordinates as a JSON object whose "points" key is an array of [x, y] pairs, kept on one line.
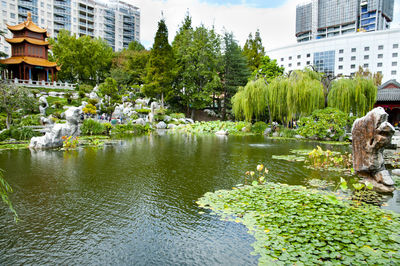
{"points": [[56, 76], [52, 75], [19, 76], [47, 74], [30, 73], [24, 71]]}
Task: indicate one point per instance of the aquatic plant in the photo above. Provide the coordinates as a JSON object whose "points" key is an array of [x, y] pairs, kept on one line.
{"points": [[70, 142], [92, 127], [296, 225], [256, 177]]}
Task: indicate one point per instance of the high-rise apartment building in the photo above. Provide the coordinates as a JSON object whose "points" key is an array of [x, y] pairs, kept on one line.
{"points": [[320, 19], [115, 21]]}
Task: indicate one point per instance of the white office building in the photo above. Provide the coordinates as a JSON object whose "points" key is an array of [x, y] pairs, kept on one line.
{"points": [[115, 21], [377, 51]]}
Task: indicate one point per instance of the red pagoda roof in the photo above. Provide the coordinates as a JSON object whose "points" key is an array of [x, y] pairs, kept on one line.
{"points": [[28, 24]]}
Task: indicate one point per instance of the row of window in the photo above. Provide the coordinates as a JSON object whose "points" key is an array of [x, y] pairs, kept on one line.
{"points": [[353, 50]]}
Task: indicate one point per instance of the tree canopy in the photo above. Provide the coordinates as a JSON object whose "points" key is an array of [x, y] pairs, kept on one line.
{"points": [[160, 67], [254, 51], [84, 59]]}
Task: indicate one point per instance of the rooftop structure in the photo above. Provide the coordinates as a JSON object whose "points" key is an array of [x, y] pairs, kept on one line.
{"points": [[377, 51], [320, 19], [115, 21], [29, 60]]}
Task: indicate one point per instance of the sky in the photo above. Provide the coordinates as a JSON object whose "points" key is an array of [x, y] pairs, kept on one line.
{"points": [[274, 18]]}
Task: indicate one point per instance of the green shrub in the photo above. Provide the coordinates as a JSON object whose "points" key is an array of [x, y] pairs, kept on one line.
{"points": [[323, 124], [58, 104], [57, 114], [159, 117], [259, 127], [93, 101], [68, 96], [177, 115], [81, 94], [92, 127], [240, 125], [16, 133], [143, 111], [30, 120], [135, 129], [107, 128], [86, 88], [288, 133], [134, 116]]}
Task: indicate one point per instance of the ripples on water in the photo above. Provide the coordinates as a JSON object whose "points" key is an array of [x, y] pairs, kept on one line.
{"points": [[134, 202]]}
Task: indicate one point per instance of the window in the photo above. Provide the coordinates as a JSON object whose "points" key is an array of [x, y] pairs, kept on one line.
{"points": [[42, 21], [298, 56], [290, 58], [48, 6], [380, 47], [341, 51], [12, 7], [353, 66], [340, 67], [4, 13], [325, 62], [395, 45], [366, 57], [308, 55], [380, 56], [298, 63], [353, 50], [308, 63], [379, 72], [394, 55], [394, 72], [379, 64], [366, 48], [340, 59], [394, 63], [353, 58], [41, 4], [365, 66], [290, 65], [12, 15], [4, 4]]}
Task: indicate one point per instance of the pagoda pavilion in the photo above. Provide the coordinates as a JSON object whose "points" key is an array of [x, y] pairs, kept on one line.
{"points": [[29, 60]]}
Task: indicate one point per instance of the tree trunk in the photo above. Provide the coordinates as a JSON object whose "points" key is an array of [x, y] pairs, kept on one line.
{"points": [[162, 100], [8, 120], [223, 113]]}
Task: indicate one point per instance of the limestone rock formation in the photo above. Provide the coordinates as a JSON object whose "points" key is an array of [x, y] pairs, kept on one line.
{"points": [[371, 134], [43, 105], [53, 138]]}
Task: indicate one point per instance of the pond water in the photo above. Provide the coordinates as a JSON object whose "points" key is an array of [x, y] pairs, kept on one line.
{"points": [[135, 202]]}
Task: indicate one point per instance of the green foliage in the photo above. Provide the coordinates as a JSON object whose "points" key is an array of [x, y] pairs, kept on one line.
{"points": [[160, 67], [86, 88], [18, 133], [259, 127], [177, 115], [293, 224], [254, 51], [5, 188], [268, 69], [323, 124], [92, 127], [132, 129], [83, 59], [109, 87], [355, 96], [197, 53], [143, 111], [30, 120], [233, 128], [235, 71], [251, 101], [13, 98]]}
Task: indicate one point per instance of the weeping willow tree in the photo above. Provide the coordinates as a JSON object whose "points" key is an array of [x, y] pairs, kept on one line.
{"points": [[250, 101], [277, 93], [305, 94], [355, 96]]}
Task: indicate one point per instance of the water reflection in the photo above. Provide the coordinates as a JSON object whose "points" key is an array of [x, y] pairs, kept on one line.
{"points": [[133, 202]]}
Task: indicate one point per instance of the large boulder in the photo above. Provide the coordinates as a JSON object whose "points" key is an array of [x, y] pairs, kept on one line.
{"points": [[371, 134], [43, 105], [53, 138], [161, 125]]}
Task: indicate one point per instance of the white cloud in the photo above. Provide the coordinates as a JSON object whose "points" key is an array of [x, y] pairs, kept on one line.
{"points": [[277, 25]]}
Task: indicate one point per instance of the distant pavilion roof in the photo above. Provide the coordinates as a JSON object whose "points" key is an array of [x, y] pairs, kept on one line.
{"points": [[388, 95], [28, 24], [392, 82], [29, 60], [27, 39]]}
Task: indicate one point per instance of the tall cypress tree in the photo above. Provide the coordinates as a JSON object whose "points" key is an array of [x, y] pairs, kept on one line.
{"points": [[160, 68], [235, 73], [254, 51]]}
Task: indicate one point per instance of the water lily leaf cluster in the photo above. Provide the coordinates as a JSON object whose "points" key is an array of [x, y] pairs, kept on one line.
{"points": [[296, 225]]}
